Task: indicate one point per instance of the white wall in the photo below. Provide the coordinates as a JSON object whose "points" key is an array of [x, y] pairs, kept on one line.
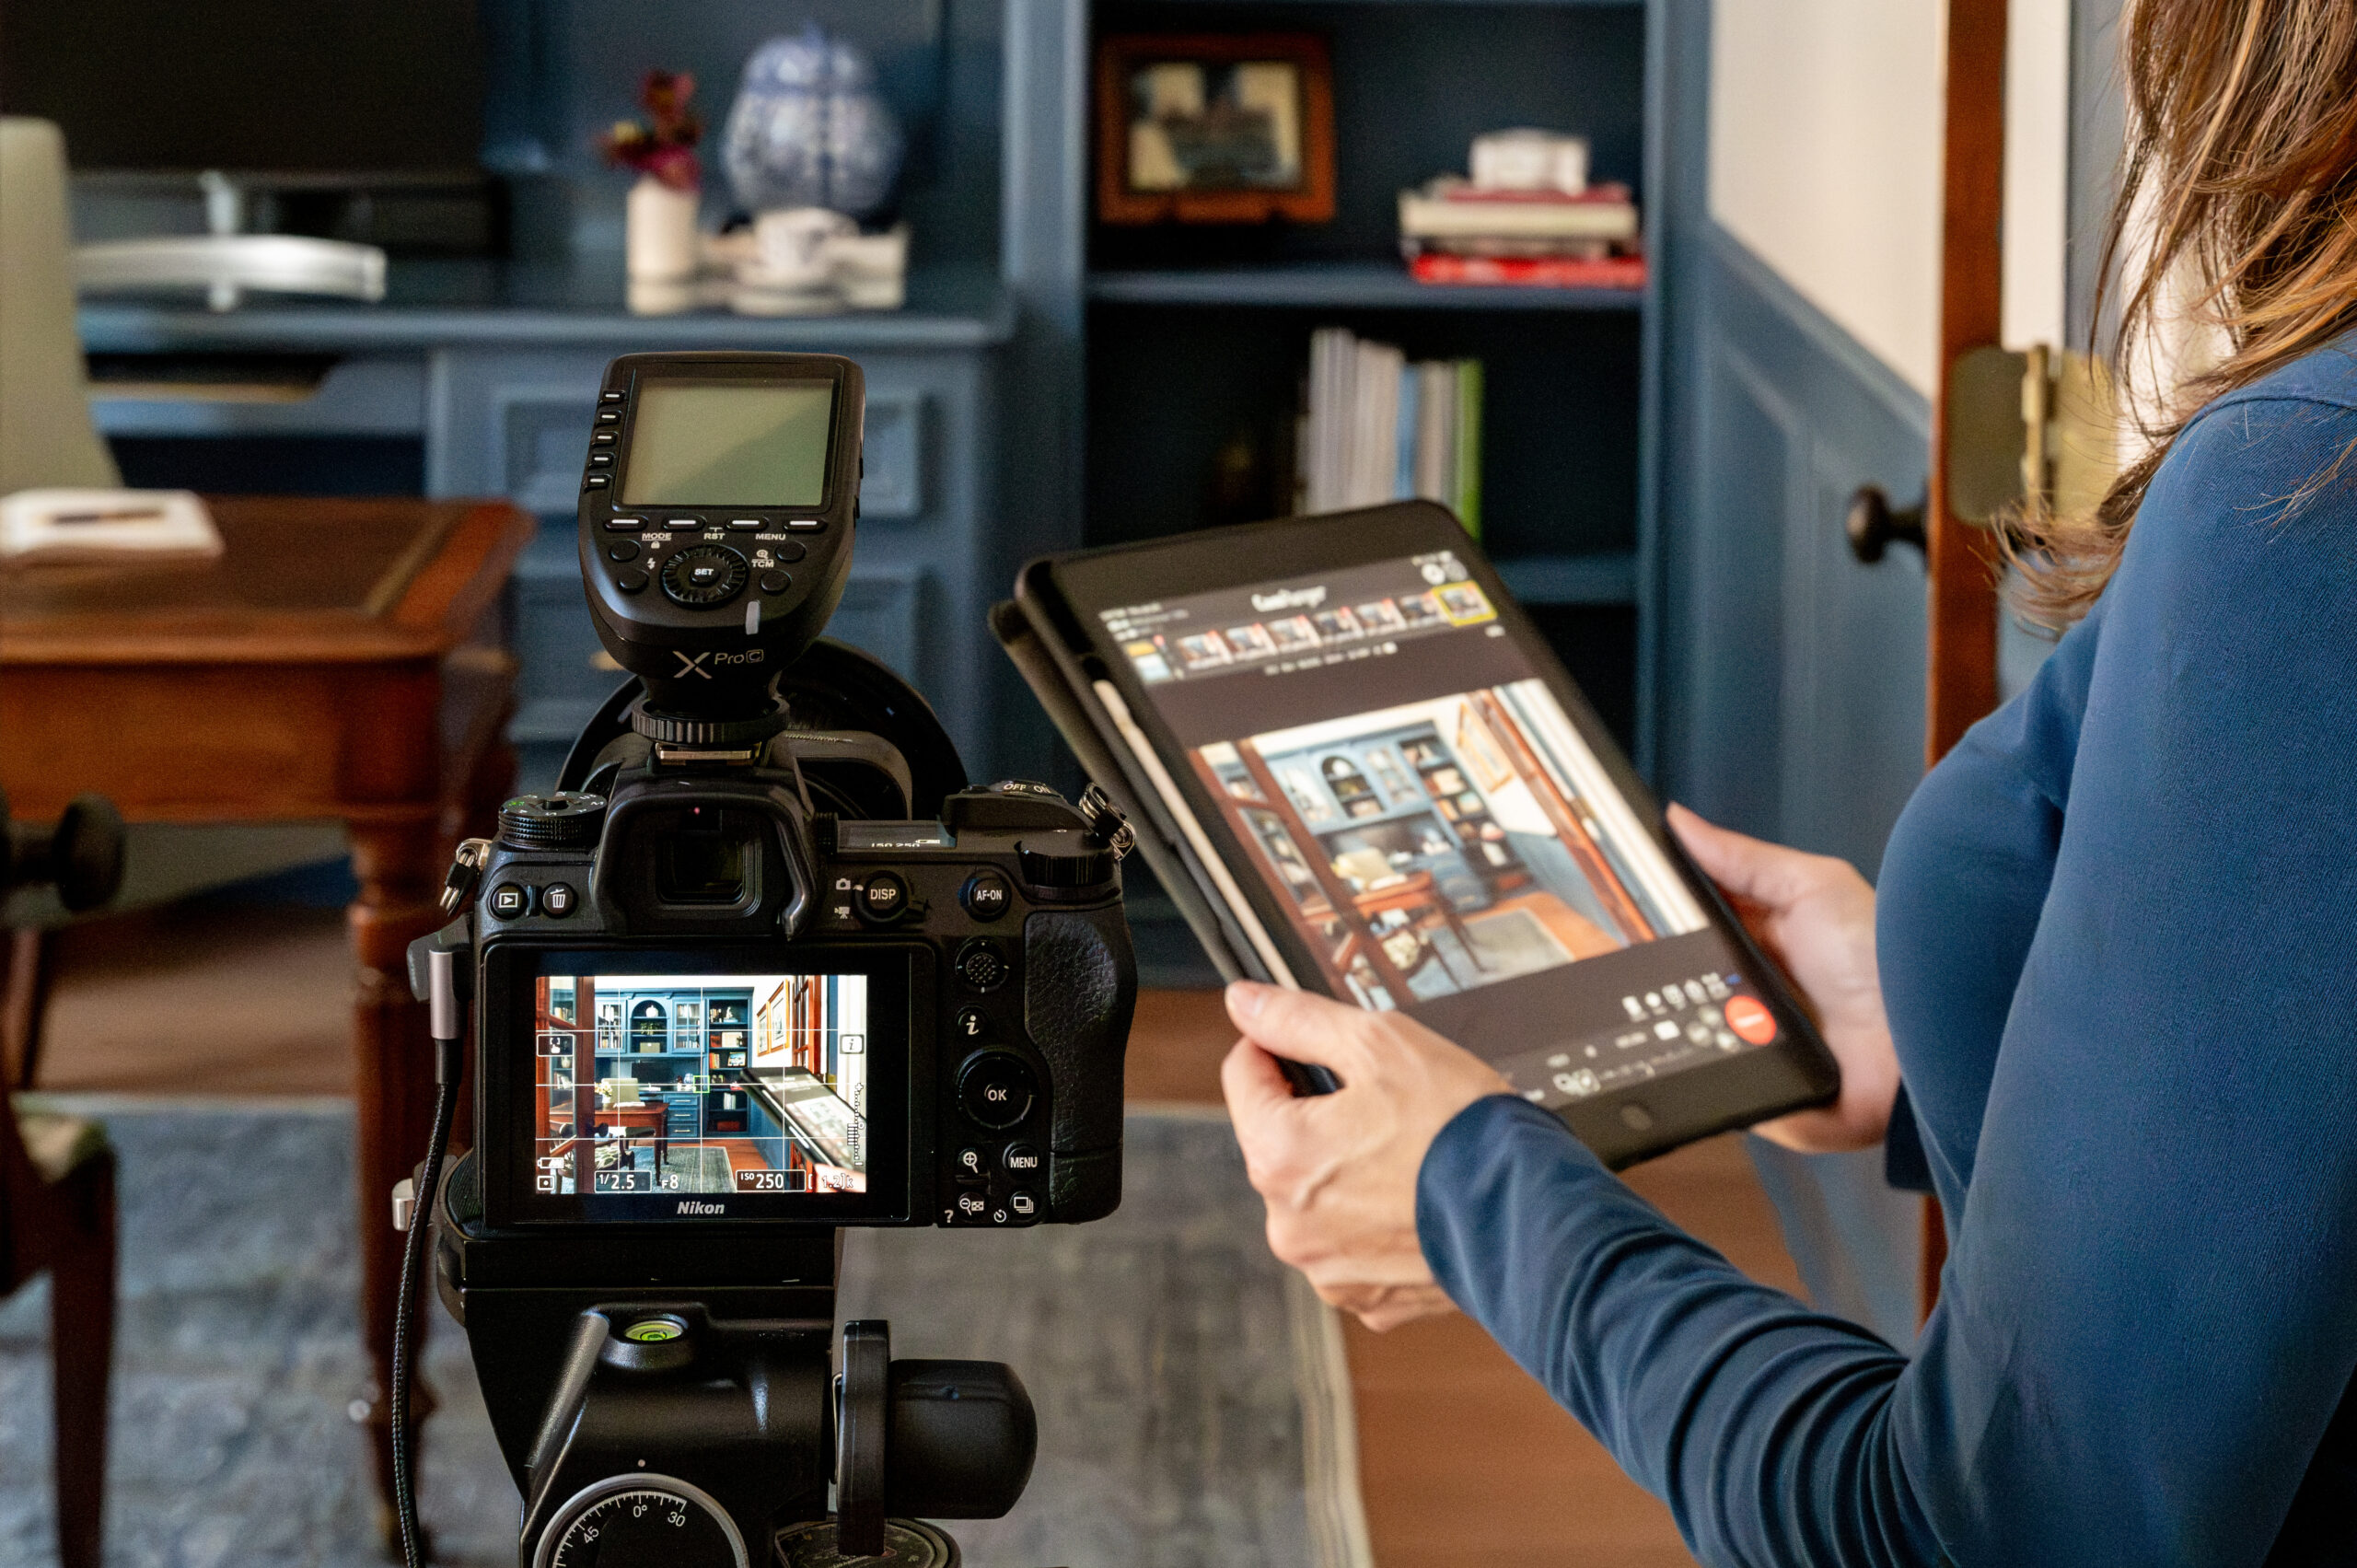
{"points": [[1825, 159]]}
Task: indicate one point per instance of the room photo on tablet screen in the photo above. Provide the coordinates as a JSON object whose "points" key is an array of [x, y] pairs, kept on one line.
{"points": [[1431, 825]]}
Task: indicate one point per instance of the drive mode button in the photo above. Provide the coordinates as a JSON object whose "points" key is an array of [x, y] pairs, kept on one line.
{"points": [[996, 1087]]}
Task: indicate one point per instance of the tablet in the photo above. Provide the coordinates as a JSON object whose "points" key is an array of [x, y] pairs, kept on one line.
{"points": [[1360, 771]]}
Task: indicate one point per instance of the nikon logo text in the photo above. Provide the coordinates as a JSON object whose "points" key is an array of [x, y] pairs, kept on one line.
{"points": [[693, 1207]]}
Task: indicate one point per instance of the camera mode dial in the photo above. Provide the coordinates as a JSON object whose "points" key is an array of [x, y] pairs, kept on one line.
{"points": [[567, 820], [703, 575]]}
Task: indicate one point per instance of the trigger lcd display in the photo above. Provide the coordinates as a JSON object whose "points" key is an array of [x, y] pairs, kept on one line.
{"points": [[740, 443]]}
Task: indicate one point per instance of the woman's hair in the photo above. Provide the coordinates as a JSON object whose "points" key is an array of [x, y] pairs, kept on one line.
{"points": [[2238, 200]]}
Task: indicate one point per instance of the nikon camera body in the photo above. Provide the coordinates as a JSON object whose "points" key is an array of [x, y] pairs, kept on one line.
{"points": [[763, 966]]}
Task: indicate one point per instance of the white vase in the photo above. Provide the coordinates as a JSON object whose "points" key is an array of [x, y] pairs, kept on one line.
{"points": [[660, 232]]}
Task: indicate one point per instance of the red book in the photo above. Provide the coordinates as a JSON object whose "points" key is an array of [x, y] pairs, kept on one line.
{"points": [[1530, 272]]}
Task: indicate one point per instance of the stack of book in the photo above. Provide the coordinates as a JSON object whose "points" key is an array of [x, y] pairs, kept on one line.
{"points": [[1454, 231], [1376, 428]]}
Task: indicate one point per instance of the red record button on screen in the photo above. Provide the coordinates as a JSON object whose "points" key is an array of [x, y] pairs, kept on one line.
{"points": [[1748, 1016]]}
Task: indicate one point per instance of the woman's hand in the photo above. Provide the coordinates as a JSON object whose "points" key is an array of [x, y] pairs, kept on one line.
{"points": [[1338, 1170], [1816, 916]]}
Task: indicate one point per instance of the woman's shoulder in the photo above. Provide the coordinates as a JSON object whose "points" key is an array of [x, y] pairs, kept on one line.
{"points": [[2269, 468], [2326, 378]]}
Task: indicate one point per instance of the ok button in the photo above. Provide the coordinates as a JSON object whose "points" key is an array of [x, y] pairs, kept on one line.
{"points": [[996, 1087]]}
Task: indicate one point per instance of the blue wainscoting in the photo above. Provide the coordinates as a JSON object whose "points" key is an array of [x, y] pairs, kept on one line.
{"points": [[1792, 677]]}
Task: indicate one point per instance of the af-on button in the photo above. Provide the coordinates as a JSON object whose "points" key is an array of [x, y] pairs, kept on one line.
{"points": [[985, 895]]}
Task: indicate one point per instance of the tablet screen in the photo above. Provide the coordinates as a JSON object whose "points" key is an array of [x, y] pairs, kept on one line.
{"points": [[1435, 830]]}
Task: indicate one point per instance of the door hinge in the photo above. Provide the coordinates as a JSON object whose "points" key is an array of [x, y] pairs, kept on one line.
{"points": [[2042, 423]]}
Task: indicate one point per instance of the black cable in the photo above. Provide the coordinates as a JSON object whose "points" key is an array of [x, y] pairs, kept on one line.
{"points": [[446, 1101]]}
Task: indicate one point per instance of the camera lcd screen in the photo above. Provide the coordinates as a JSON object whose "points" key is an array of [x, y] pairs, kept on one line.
{"points": [[660, 1088], [740, 443], [1431, 826]]}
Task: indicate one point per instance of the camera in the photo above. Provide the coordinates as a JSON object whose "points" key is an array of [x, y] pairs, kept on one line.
{"points": [[763, 966]]}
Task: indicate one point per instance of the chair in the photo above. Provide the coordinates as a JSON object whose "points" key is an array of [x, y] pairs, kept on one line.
{"points": [[57, 1215], [46, 437], [48, 440], [57, 1193]]}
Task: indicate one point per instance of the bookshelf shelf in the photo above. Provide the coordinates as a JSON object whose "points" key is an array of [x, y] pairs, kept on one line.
{"points": [[1598, 578], [1365, 285]]}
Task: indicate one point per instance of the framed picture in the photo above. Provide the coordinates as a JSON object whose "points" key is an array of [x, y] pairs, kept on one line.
{"points": [[1215, 128]]}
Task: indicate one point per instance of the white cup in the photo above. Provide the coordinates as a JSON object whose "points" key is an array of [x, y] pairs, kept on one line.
{"points": [[790, 246]]}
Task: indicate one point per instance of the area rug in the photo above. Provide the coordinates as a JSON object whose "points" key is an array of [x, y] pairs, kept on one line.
{"points": [[1194, 1409]]}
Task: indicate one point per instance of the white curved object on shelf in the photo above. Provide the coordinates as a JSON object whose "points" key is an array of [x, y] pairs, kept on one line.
{"points": [[225, 265]]}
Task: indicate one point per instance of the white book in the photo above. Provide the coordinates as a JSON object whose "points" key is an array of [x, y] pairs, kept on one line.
{"points": [[106, 527], [1376, 429], [1435, 431], [1333, 355]]}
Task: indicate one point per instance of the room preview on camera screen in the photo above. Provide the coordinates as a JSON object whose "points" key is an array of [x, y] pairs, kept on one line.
{"points": [[680, 1083], [1451, 829]]}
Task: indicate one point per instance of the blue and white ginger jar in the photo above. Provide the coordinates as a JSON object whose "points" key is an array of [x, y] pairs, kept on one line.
{"points": [[808, 129]]}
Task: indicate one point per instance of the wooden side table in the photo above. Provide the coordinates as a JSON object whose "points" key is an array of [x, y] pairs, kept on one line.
{"points": [[322, 667]]}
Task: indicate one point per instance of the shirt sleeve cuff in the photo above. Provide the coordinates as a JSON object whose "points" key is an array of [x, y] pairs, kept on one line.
{"points": [[1459, 1179]]}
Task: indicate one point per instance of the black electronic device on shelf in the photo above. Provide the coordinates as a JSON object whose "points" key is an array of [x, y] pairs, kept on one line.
{"points": [[763, 966]]}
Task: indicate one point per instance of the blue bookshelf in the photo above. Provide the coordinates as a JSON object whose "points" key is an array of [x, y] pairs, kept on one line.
{"points": [[1340, 285]]}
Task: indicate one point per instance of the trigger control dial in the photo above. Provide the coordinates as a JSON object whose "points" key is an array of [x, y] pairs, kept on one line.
{"points": [[703, 575]]}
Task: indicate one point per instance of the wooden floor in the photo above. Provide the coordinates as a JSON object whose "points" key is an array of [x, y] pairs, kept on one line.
{"points": [[1463, 1459]]}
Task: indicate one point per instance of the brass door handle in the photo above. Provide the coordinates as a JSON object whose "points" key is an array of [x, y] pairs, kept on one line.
{"points": [[1872, 527]]}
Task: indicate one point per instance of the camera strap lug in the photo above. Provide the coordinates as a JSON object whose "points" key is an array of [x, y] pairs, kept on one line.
{"points": [[1105, 821], [466, 871]]}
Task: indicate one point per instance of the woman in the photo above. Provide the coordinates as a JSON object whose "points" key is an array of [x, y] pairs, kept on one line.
{"points": [[2113, 937]]}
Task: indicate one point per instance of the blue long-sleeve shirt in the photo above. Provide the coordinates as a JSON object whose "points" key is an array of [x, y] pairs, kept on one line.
{"points": [[2118, 932]]}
